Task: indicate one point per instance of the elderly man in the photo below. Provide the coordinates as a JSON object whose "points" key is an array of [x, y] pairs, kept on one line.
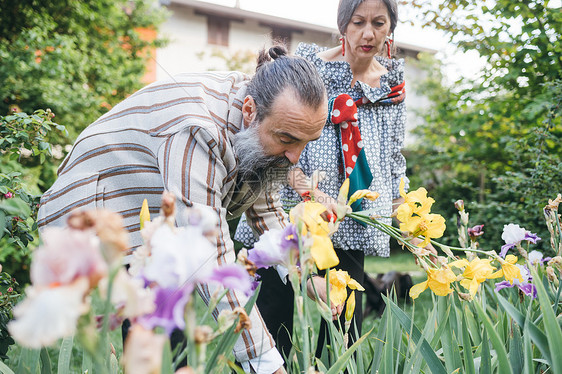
{"points": [[212, 139]]}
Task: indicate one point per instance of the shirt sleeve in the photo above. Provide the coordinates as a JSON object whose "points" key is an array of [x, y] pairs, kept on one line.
{"points": [[267, 363], [397, 159], [192, 168]]}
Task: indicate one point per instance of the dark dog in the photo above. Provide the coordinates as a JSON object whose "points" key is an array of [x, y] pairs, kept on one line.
{"points": [[382, 285]]}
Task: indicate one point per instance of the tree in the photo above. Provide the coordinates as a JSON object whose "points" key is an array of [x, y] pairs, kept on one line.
{"points": [[496, 140], [77, 58]]}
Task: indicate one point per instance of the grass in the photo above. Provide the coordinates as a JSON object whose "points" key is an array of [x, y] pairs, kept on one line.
{"points": [[399, 260]]}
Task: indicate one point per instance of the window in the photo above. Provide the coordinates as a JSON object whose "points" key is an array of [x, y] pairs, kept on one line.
{"points": [[217, 30]]}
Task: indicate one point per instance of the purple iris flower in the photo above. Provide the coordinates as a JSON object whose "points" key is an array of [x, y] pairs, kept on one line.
{"points": [[170, 308], [515, 234], [275, 247], [528, 289], [475, 231], [526, 286], [233, 276]]}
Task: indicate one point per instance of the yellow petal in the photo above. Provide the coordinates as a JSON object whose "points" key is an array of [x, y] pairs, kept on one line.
{"points": [[360, 194], [354, 285], [417, 289], [466, 283], [497, 274], [344, 191], [473, 287], [323, 253], [350, 306], [511, 259], [144, 213], [404, 212]]}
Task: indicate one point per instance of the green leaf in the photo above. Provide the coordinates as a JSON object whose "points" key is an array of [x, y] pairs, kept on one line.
{"points": [[485, 357], [552, 327], [538, 337], [516, 349], [226, 342], [15, 207], [528, 364], [448, 343], [427, 352], [167, 359], [4, 369], [467, 348], [65, 353], [28, 361], [473, 327], [503, 362], [87, 364], [342, 360], [379, 342], [45, 361]]}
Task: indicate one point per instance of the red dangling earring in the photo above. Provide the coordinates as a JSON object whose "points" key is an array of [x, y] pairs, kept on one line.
{"points": [[342, 40], [388, 43]]}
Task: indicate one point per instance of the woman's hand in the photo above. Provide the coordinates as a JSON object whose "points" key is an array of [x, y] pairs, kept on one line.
{"points": [[318, 283], [429, 247], [329, 203]]}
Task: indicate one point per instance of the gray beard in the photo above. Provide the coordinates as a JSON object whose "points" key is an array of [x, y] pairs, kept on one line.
{"points": [[254, 166]]}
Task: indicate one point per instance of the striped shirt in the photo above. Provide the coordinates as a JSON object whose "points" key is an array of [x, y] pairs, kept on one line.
{"points": [[172, 135]]}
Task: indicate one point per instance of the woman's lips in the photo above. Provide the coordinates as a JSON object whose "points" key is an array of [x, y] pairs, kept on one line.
{"points": [[366, 48]]}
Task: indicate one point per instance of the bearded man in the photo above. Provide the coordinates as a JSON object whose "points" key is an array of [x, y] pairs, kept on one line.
{"points": [[215, 139]]}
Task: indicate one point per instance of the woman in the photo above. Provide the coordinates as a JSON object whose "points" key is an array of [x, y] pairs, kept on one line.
{"points": [[363, 68]]}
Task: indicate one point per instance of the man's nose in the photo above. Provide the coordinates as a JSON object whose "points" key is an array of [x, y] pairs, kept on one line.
{"points": [[293, 154]]}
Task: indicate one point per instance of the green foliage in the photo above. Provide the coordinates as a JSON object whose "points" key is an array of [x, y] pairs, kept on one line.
{"points": [[494, 141], [9, 295], [24, 147], [76, 57]]}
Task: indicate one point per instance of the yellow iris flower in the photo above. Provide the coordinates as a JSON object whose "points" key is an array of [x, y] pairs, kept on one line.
{"points": [[429, 225], [438, 280], [309, 214], [144, 213], [417, 200], [367, 194], [509, 271], [322, 249], [339, 281], [350, 306], [475, 272]]}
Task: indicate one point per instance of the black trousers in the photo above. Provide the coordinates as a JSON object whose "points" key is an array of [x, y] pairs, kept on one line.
{"points": [[276, 303]]}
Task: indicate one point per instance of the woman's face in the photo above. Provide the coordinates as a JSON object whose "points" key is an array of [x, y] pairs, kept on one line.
{"points": [[367, 30]]}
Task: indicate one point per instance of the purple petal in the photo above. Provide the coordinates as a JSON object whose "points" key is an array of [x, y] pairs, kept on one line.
{"points": [[170, 306], [528, 289], [233, 276], [532, 238], [502, 285], [290, 238], [505, 248]]}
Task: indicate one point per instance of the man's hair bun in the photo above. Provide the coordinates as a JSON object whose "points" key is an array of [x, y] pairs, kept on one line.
{"points": [[277, 50]]}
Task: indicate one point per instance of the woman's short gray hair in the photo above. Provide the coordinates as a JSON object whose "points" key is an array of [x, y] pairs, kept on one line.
{"points": [[346, 8], [275, 72]]}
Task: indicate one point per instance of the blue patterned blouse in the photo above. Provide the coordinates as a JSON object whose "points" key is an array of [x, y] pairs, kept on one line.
{"points": [[382, 129]]}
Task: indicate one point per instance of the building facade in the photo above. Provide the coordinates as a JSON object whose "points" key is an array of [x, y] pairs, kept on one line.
{"points": [[205, 36]]}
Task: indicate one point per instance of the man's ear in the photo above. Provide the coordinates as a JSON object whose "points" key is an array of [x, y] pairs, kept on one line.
{"points": [[249, 110]]}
